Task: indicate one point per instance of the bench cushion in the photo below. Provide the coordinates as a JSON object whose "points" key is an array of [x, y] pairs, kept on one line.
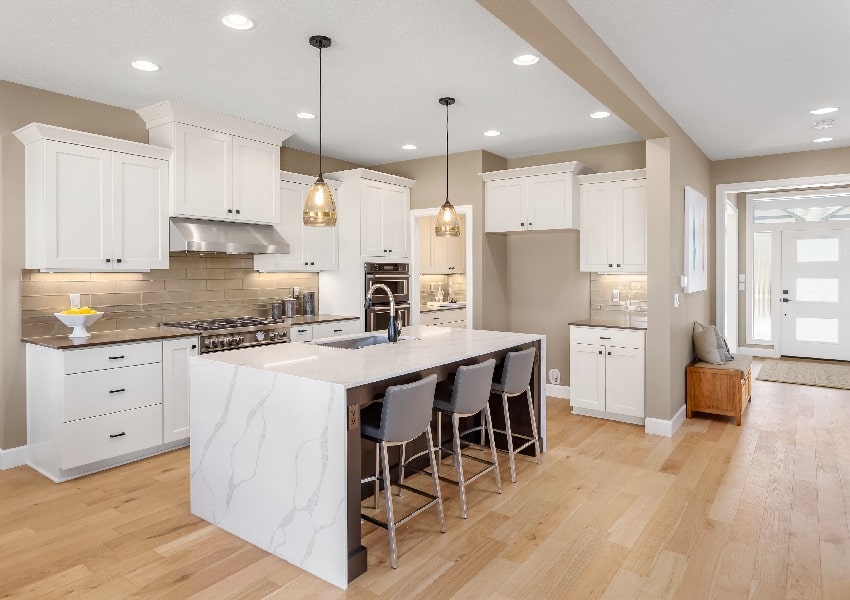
{"points": [[741, 363]]}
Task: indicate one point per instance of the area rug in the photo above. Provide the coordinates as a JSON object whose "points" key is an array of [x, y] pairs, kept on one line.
{"points": [[805, 372]]}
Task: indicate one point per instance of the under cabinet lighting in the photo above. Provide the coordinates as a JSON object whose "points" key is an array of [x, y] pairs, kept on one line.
{"points": [[240, 22], [144, 65], [824, 111], [305, 115], [526, 60]]}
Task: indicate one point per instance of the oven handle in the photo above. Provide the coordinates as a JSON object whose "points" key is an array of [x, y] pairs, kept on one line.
{"points": [[386, 307], [398, 276]]}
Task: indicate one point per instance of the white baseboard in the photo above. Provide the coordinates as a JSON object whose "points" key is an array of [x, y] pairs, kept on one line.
{"points": [[665, 428], [13, 457], [558, 391]]}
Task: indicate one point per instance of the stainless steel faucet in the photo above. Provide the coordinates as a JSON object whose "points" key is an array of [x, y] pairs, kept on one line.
{"points": [[393, 330]]}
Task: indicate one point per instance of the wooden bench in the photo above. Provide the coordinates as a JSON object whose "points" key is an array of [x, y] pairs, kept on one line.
{"points": [[720, 389]]}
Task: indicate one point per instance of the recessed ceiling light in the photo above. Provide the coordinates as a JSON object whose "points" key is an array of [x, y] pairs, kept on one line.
{"points": [[305, 115], [823, 139], [492, 133], [237, 22], [144, 65], [526, 60], [824, 124], [824, 111], [600, 114], [409, 147]]}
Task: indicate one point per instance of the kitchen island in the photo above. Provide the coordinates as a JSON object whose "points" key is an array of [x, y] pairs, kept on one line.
{"points": [[275, 438]]}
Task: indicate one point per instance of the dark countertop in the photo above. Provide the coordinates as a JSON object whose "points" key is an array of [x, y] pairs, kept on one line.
{"points": [[126, 336], [612, 324]]}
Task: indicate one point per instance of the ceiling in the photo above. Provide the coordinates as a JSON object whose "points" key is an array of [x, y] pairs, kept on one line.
{"points": [[390, 62], [740, 77]]}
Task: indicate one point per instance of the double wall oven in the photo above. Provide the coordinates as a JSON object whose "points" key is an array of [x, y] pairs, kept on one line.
{"points": [[395, 276]]}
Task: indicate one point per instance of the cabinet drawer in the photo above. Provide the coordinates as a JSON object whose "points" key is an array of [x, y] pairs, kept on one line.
{"points": [[112, 390], [440, 317], [109, 357], [89, 440], [301, 333], [335, 328], [623, 338]]}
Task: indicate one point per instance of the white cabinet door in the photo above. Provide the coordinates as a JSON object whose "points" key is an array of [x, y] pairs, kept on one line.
{"points": [[384, 211], [427, 241], [140, 212], [256, 181], [371, 219], [203, 177], [624, 381], [504, 206], [550, 201], [335, 328], [394, 221], [321, 248], [291, 228], [301, 333], [631, 199], [77, 207], [587, 376], [175, 387], [456, 249], [593, 234]]}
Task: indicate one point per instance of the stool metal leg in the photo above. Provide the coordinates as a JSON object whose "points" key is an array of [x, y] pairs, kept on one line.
{"points": [[533, 425], [377, 488], [510, 437], [401, 468], [388, 496], [439, 441], [489, 422], [459, 464], [436, 479]]}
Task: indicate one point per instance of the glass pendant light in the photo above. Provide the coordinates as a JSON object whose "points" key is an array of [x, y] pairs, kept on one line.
{"points": [[319, 205], [447, 221]]}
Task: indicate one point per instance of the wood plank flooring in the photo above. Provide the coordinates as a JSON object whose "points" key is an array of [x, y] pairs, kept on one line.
{"points": [[717, 511]]}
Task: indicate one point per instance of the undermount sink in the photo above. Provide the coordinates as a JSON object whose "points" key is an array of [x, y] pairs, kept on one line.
{"points": [[358, 342]]}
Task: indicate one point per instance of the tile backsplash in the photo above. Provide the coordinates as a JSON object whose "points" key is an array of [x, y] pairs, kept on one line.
{"points": [[193, 287], [454, 286], [618, 297]]}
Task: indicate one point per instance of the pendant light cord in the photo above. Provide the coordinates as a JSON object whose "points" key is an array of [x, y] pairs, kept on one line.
{"points": [[447, 152], [320, 112]]}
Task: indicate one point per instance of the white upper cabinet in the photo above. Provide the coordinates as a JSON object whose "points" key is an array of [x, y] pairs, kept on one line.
{"points": [[441, 255], [310, 248], [94, 203], [613, 222], [532, 198], [226, 168], [384, 211]]}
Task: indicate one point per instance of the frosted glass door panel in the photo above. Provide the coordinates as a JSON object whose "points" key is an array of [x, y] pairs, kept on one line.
{"points": [[816, 290], [762, 265], [818, 250], [817, 330]]}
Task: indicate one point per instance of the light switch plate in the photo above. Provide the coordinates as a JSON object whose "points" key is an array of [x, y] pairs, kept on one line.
{"points": [[683, 281], [74, 300], [675, 300], [742, 277], [742, 286], [615, 295]]}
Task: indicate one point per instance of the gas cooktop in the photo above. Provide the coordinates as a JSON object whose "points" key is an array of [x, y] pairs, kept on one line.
{"points": [[236, 332], [225, 323]]}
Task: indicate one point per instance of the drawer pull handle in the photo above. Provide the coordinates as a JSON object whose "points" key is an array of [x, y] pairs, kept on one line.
{"points": [[609, 354], [117, 435], [118, 390], [604, 338], [337, 330], [194, 346], [600, 353], [116, 357]]}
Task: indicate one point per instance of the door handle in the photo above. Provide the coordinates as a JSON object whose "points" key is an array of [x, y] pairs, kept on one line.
{"points": [[786, 300]]}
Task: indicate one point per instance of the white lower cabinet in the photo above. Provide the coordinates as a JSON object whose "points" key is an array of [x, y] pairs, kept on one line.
{"points": [[607, 372], [335, 328], [453, 317], [93, 408]]}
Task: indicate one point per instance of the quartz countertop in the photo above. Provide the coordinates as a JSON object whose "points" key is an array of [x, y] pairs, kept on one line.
{"points": [[447, 306], [614, 324], [146, 334], [422, 347]]}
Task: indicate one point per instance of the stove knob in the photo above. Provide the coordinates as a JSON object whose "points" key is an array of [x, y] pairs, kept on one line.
{"points": [[272, 336], [208, 343], [235, 341], [227, 341], [213, 343], [241, 338], [261, 335]]}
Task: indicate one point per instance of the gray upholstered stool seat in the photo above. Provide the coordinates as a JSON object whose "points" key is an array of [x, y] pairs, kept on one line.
{"points": [[404, 415], [515, 380], [467, 395]]}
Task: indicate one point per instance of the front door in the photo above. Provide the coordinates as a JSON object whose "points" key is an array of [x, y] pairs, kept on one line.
{"points": [[815, 294]]}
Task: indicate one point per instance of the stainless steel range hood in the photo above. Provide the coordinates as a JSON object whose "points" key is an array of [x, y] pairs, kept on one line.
{"points": [[196, 235]]}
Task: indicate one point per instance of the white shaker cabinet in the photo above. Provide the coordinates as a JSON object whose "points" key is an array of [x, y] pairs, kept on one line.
{"points": [[335, 328], [310, 248], [607, 372], [94, 203], [613, 222], [383, 220], [532, 198], [175, 387], [226, 168], [441, 255]]}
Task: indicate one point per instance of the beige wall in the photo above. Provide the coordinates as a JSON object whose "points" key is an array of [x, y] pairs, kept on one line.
{"points": [[307, 163], [603, 159], [19, 106], [833, 161]]}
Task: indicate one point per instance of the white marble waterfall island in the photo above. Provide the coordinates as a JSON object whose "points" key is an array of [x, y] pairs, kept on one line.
{"points": [[275, 436]]}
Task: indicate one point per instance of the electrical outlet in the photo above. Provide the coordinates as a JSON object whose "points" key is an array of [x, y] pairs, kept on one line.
{"points": [[353, 416], [75, 300], [555, 376], [615, 295], [296, 291], [675, 300]]}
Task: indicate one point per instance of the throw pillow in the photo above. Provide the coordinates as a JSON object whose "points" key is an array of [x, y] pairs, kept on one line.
{"points": [[722, 346], [705, 344]]}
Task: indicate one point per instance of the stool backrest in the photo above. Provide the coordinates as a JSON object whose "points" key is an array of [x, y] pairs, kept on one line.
{"points": [[516, 373], [472, 387], [407, 410]]}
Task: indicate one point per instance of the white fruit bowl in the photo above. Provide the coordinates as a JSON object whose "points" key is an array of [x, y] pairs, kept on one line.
{"points": [[79, 323]]}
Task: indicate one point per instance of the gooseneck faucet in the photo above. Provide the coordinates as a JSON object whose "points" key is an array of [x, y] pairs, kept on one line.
{"points": [[393, 330]]}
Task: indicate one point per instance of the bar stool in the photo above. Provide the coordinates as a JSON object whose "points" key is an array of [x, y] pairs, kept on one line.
{"points": [[516, 380], [404, 415], [468, 396]]}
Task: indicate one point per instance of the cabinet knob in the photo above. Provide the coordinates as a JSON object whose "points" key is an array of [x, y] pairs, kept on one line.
{"points": [[118, 260], [610, 264], [618, 264], [194, 346], [522, 224], [530, 224], [389, 250], [229, 210], [312, 263], [600, 353], [238, 212], [108, 260], [609, 354]]}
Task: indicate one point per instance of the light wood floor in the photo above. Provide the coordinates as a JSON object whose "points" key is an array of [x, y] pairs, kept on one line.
{"points": [[717, 511]]}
